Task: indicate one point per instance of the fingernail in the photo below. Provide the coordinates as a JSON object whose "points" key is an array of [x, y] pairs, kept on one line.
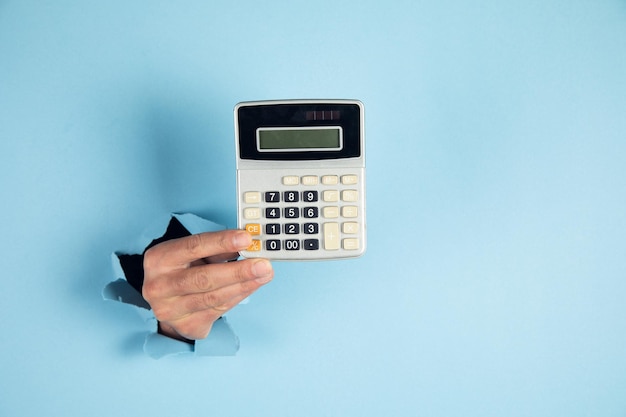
{"points": [[242, 240], [263, 271]]}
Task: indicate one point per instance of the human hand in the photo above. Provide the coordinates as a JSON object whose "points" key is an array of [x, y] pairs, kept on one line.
{"points": [[189, 282]]}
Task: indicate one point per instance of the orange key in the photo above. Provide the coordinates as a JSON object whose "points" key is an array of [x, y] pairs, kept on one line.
{"points": [[253, 228], [255, 246]]}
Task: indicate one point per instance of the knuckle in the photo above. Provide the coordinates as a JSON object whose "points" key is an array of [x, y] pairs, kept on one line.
{"points": [[202, 301], [194, 244], [150, 290], [210, 299], [201, 280], [151, 258], [224, 240], [194, 279]]}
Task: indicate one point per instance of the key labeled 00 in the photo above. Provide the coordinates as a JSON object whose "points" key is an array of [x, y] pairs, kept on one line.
{"points": [[292, 244]]}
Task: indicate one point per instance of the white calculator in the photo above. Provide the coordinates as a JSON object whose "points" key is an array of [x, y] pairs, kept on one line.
{"points": [[301, 178]]}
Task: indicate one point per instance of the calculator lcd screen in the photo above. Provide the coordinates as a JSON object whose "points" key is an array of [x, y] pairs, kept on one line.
{"points": [[300, 139]]}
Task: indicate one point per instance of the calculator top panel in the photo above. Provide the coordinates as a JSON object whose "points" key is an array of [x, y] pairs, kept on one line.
{"points": [[330, 130]]}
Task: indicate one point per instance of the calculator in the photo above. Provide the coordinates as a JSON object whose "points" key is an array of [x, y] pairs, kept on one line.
{"points": [[301, 178]]}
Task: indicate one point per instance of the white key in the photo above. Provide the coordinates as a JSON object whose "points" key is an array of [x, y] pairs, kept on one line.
{"points": [[350, 211], [252, 213], [252, 197], [349, 179], [291, 180], [350, 195], [330, 195], [330, 212], [310, 180], [351, 244], [350, 228], [331, 236]]}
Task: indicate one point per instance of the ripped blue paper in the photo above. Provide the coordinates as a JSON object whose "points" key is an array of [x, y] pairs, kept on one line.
{"points": [[221, 341]]}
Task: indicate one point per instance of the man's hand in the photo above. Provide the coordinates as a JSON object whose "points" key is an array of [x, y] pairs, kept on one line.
{"points": [[189, 282]]}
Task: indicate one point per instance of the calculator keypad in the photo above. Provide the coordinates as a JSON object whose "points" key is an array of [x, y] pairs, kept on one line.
{"points": [[305, 216]]}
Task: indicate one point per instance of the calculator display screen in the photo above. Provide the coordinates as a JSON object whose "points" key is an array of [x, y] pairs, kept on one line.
{"points": [[288, 139]]}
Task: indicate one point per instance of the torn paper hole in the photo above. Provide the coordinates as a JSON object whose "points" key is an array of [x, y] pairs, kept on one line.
{"points": [[128, 269]]}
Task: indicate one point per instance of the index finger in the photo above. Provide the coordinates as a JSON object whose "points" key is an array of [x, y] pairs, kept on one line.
{"points": [[187, 249]]}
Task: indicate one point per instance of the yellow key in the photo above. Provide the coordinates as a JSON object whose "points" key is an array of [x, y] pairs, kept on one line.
{"points": [[255, 246], [253, 228]]}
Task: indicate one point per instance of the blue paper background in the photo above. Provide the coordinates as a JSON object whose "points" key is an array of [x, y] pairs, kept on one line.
{"points": [[495, 277]]}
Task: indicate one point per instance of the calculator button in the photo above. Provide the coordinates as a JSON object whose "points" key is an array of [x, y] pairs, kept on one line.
{"points": [[292, 244], [331, 236], [310, 180], [291, 180], [311, 244], [292, 228], [272, 213], [291, 197], [330, 212], [351, 244], [349, 195], [251, 213], [330, 180], [330, 195], [310, 212], [291, 213], [253, 228], [311, 228], [309, 196], [252, 197], [272, 229], [350, 211], [350, 228], [255, 246], [272, 244], [272, 197], [349, 179]]}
